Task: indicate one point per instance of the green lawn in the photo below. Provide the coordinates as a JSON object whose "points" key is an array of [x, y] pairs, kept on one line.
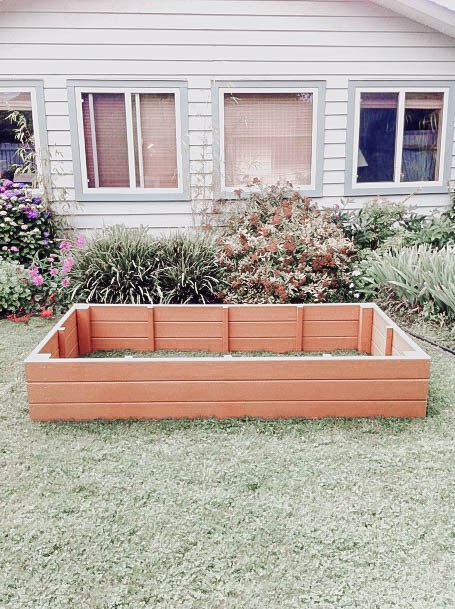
{"points": [[224, 515]]}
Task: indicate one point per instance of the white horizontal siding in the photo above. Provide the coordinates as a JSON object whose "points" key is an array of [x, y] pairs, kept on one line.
{"points": [[203, 40]]}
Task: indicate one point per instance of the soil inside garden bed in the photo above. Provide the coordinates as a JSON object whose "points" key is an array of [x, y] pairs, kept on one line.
{"points": [[163, 353]]}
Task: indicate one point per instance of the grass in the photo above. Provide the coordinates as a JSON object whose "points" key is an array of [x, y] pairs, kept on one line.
{"points": [[236, 514], [163, 353]]}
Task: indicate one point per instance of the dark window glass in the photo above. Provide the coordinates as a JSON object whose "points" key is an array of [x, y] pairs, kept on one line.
{"points": [[377, 137]]}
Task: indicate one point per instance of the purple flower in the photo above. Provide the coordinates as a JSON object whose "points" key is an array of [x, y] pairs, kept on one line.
{"points": [[31, 213], [65, 282], [81, 241], [53, 271], [7, 183], [45, 234]]}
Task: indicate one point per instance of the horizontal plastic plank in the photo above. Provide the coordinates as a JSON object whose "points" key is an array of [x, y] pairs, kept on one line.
{"points": [[226, 369], [185, 329], [330, 328], [236, 391], [262, 329], [328, 343], [118, 313], [266, 410], [51, 346], [214, 345], [331, 313], [103, 344], [119, 329], [187, 313], [262, 313], [272, 345]]}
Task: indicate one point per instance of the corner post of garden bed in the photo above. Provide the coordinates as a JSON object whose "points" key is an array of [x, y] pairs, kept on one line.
{"points": [[299, 328], [151, 327], [365, 328], [225, 334], [84, 327]]}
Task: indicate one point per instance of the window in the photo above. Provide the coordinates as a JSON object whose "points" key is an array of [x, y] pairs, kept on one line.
{"points": [[269, 133], [17, 133], [130, 141], [399, 137]]}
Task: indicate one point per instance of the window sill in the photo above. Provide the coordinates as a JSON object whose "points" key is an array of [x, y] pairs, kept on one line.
{"points": [[132, 197], [404, 189]]}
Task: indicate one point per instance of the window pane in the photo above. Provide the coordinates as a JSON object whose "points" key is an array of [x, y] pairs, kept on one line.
{"points": [[268, 136], [106, 148], [422, 137], [377, 132], [156, 152], [15, 109]]}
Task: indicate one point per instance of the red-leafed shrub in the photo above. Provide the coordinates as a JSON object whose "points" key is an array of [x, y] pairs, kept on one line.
{"points": [[281, 248]]}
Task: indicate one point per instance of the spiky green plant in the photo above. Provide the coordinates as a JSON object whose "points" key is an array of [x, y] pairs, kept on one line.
{"points": [[418, 275], [117, 267], [188, 271]]}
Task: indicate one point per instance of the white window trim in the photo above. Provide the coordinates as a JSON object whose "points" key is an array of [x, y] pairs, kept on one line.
{"points": [[315, 135], [128, 92], [35, 121], [399, 137]]}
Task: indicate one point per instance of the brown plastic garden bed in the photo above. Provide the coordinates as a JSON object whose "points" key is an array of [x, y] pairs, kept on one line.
{"points": [[62, 385]]}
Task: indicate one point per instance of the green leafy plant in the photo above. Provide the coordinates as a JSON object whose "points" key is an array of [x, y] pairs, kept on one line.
{"points": [[418, 275], [188, 271], [15, 288], [279, 247]]}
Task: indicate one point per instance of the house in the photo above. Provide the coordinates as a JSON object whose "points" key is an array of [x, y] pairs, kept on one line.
{"points": [[150, 109]]}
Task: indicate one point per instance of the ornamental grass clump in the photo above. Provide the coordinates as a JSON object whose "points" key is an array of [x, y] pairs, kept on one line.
{"points": [[281, 248], [418, 276], [117, 267], [188, 271]]}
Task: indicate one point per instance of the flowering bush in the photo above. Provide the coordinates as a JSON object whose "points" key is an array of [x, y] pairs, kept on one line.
{"points": [[28, 228], [281, 248], [15, 288], [50, 276]]}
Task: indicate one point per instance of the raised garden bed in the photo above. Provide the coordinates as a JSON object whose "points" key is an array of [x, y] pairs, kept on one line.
{"points": [[64, 385]]}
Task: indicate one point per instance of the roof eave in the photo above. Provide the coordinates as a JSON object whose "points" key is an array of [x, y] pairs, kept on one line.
{"points": [[426, 12]]}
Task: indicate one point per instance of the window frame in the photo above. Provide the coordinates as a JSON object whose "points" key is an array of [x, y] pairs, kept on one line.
{"points": [[36, 90], [316, 88], [356, 88], [133, 192]]}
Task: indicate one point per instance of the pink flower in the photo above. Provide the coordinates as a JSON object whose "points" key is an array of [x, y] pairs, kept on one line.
{"points": [[65, 282], [65, 246], [13, 248], [81, 241], [38, 279], [53, 271]]}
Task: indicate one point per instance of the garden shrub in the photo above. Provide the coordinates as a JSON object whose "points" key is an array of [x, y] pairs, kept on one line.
{"points": [[281, 248], [28, 227], [15, 288], [419, 276], [188, 271], [383, 225], [377, 221]]}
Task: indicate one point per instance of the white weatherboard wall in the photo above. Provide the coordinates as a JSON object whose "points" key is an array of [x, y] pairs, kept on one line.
{"points": [[205, 40]]}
